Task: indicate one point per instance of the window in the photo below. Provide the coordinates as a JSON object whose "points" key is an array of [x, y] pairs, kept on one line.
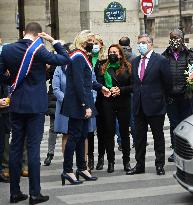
{"points": [[187, 24], [151, 27]]}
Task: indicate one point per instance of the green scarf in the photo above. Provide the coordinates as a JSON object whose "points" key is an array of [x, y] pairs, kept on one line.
{"points": [[107, 76], [94, 59]]}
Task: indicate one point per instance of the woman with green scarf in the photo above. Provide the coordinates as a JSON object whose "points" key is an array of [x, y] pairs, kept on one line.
{"points": [[116, 75]]}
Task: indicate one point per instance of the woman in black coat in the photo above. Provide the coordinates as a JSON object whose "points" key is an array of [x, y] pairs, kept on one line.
{"points": [[116, 75]]}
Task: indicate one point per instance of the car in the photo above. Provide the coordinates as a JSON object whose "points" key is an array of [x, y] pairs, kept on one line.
{"points": [[183, 153]]}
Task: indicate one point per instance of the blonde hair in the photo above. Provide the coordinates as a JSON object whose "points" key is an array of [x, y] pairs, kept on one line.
{"points": [[80, 39], [102, 55]]}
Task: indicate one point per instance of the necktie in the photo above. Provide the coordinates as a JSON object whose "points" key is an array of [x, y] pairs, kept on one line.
{"points": [[142, 71]]}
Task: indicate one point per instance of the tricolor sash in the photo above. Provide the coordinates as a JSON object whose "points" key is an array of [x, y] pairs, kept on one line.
{"points": [[80, 53], [27, 62]]}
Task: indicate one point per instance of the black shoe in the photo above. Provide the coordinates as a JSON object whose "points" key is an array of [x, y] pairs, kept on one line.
{"points": [[127, 167], [3, 178], [110, 167], [18, 197], [65, 177], [120, 147], [100, 163], [48, 159], [38, 199], [160, 170], [136, 170], [87, 178], [91, 163], [171, 158]]}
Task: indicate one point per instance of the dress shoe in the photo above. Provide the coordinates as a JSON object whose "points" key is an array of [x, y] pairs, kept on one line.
{"points": [[65, 177], [48, 159], [160, 170], [18, 197], [91, 163], [3, 178], [136, 170], [171, 158], [24, 173], [110, 167], [87, 178], [127, 167], [38, 199], [100, 163]]}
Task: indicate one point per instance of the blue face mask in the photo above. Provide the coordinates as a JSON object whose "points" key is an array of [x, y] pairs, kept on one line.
{"points": [[95, 49], [142, 48]]}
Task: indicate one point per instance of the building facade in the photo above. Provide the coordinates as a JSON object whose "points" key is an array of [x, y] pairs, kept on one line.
{"points": [[75, 16], [165, 17]]}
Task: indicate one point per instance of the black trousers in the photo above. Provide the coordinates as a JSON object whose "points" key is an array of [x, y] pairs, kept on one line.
{"points": [[78, 131], [90, 138], [114, 109], [156, 123], [100, 129]]}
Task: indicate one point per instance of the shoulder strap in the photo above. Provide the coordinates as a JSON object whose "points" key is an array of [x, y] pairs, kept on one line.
{"points": [[77, 53], [26, 63]]}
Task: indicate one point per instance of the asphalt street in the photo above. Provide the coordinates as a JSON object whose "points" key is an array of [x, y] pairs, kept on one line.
{"points": [[110, 189]]}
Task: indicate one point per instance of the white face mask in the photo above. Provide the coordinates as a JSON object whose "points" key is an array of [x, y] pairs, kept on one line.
{"points": [[95, 49], [142, 48]]}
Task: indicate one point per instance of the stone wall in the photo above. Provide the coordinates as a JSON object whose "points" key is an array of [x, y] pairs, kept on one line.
{"points": [[8, 10], [92, 17]]}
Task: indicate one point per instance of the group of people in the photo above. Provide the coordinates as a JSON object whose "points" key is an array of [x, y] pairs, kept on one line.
{"points": [[90, 91]]}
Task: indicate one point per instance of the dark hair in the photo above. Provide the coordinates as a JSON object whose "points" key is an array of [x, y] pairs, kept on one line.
{"points": [[124, 63], [124, 41], [33, 28]]}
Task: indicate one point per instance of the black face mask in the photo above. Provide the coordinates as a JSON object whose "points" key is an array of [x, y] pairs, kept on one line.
{"points": [[113, 58], [89, 47]]}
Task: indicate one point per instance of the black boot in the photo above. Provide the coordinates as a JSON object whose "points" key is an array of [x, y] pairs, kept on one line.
{"points": [[127, 167], [110, 167], [48, 159], [100, 163], [91, 163]]}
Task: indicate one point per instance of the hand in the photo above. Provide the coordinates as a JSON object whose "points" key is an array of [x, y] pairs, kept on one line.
{"points": [[7, 73], [106, 92], [48, 67], [115, 91], [46, 36], [88, 113], [3, 103]]}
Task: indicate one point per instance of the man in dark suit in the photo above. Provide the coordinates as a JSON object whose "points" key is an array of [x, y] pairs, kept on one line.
{"points": [[151, 81], [27, 108]]}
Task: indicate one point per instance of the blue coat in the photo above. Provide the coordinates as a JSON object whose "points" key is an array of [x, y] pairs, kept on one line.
{"points": [[151, 93], [59, 87], [31, 94], [79, 87]]}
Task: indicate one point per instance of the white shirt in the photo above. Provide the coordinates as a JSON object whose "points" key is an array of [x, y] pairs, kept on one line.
{"points": [[146, 61]]}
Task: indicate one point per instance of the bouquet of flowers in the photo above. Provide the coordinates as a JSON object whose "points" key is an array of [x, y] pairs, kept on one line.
{"points": [[189, 77]]}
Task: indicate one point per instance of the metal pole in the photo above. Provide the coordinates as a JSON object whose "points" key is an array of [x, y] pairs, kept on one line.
{"points": [[21, 18], [54, 19], [180, 13], [145, 23]]}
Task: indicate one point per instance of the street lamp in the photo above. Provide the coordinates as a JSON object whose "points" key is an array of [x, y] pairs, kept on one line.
{"points": [[21, 18]]}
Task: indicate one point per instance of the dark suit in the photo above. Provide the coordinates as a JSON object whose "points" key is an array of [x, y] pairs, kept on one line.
{"points": [[28, 105], [150, 105], [78, 97]]}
